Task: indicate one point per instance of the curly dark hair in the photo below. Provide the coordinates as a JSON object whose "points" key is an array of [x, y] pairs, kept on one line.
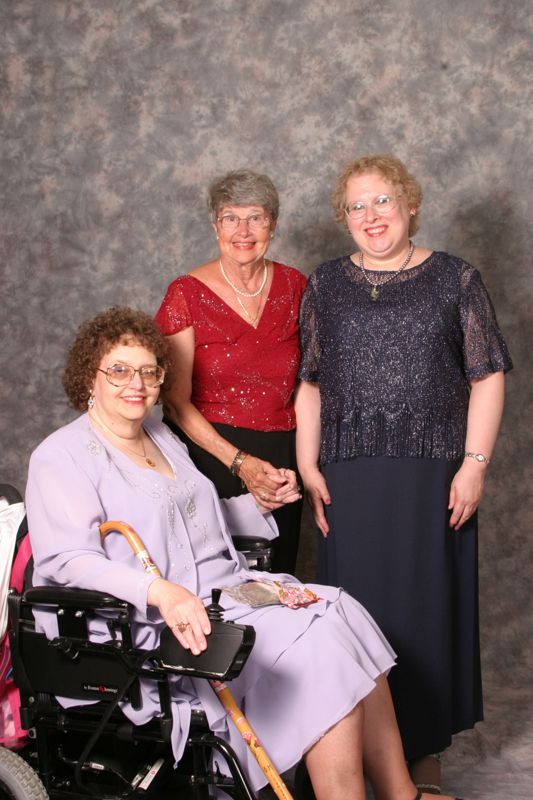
{"points": [[97, 336]]}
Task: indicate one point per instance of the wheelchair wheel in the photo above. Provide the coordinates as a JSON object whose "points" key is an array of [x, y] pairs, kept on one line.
{"points": [[18, 781]]}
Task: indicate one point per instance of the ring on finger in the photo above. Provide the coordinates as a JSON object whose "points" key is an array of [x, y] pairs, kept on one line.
{"points": [[181, 626]]}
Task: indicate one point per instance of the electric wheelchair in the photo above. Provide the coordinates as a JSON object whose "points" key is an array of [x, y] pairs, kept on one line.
{"points": [[93, 750]]}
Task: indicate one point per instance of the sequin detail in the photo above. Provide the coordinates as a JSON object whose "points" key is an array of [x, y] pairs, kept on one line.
{"points": [[186, 498], [243, 376], [394, 374], [94, 448]]}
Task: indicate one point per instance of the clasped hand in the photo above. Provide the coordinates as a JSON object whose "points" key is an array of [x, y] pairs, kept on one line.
{"points": [[271, 487]]}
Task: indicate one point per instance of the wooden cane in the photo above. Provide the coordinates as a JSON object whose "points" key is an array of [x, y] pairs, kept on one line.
{"points": [[222, 691]]}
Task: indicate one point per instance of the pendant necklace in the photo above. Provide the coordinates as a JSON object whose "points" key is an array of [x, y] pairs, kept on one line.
{"points": [[150, 462], [374, 292], [254, 320]]}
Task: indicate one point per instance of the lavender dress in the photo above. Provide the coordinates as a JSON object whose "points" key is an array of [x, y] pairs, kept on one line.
{"points": [[309, 667]]}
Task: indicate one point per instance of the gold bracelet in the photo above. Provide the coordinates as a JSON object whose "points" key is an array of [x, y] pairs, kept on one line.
{"points": [[478, 457], [235, 465]]}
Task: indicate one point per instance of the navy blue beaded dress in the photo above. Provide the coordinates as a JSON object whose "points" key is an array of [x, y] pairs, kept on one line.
{"points": [[394, 388]]}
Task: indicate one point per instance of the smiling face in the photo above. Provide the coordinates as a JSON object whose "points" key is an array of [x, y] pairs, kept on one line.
{"points": [[380, 237], [243, 246], [131, 403]]}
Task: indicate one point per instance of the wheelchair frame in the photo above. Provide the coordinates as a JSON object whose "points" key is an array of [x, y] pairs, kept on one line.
{"points": [[94, 750], [73, 666]]}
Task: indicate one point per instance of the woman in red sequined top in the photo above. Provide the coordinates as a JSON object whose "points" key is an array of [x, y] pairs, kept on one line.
{"points": [[233, 328]]}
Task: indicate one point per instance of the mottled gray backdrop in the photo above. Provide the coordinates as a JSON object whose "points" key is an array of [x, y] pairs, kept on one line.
{"points": [[115, 114]]}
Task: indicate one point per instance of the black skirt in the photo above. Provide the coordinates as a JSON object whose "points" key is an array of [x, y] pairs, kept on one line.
{"points": [[277, 447], [391, 547]]}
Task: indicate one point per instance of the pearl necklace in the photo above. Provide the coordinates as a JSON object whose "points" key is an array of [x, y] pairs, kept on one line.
{"points": [[151, 463], [374, 292], [241, 291]]}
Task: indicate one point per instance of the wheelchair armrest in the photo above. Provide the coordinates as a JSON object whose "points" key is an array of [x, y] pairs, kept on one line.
{"points": [[257, 551], [83, 599], [252, 543], [228, 647]]}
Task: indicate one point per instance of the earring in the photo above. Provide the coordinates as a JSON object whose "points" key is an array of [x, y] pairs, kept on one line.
{"points": [[90, 401], [272, 235]]}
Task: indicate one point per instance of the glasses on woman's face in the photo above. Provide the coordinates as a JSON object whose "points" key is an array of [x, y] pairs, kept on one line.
{"points": [[122, 374], [255, 222], [382, 204]]}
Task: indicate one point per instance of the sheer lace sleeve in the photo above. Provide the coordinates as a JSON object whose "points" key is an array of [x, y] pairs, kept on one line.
{"points": [[309, 365], [174, 314], [484, 348]]}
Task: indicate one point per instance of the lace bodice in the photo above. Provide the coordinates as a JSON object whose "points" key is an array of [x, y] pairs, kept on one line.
{"points": [[394, 374]]}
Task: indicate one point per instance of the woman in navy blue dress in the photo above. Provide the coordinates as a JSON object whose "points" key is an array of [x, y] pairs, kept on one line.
{"points": [[401, 396]]}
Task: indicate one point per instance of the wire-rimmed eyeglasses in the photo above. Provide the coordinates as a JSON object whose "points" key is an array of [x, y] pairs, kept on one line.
{"points": [[255, 222], [382, 204], [121, 374]]}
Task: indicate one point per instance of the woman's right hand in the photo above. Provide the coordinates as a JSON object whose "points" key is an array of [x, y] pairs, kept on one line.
{"points": [[317, 496], [180, 607], [271, 487]]}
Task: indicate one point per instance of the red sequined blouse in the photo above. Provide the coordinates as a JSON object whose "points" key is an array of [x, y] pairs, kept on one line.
{"points": [[242, 376]]}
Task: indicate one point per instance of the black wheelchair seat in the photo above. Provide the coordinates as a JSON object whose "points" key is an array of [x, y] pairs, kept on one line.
{"points": [[94, 750]]}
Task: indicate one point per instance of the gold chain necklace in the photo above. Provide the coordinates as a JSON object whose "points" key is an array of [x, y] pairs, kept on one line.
{"points": [[253, 320], [151, 463], [374, 292]]}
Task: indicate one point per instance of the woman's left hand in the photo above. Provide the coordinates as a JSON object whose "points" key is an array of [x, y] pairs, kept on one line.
{"points": [[466, 491]]}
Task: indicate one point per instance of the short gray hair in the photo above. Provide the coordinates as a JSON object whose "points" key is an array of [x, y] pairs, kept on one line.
{"points": [[243, 188]]}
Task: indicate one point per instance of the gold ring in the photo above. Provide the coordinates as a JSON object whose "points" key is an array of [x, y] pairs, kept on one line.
{"points": [[181, 626]]}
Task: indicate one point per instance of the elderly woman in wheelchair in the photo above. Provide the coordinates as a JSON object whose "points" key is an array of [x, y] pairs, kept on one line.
{"points": [[314, 685]]}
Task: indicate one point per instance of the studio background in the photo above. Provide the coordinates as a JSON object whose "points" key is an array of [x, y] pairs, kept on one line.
{"points": [[116, 114]]}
